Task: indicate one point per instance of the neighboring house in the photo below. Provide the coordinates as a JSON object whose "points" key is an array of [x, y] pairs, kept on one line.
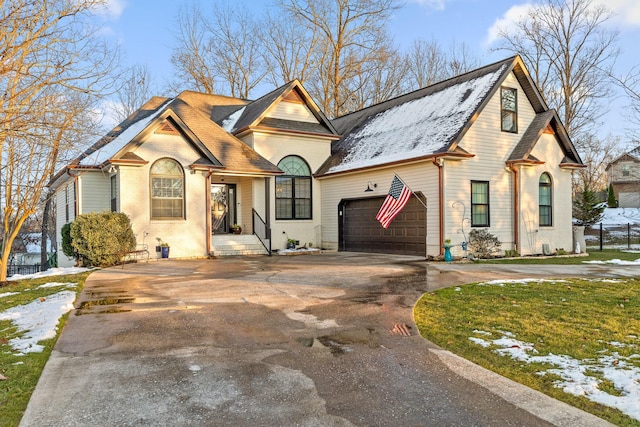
{"points": [[624, 175], [482, 150]]}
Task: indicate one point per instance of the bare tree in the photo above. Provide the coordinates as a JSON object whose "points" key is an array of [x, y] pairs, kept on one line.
{"points": [[51, 69], [192, 58], [630, 84], [570, 54], [289, 49], [429, 63], [350, 31], [426, 63], [460, 59], [223, 50], [235, 43], [135, 88], [384, 78], [598, 153]]}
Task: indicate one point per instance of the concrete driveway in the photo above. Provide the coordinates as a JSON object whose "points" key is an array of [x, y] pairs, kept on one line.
{"points": [[321, 340]]}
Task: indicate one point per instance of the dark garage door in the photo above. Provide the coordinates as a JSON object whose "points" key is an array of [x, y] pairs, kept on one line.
{"points": [[361, 232]]}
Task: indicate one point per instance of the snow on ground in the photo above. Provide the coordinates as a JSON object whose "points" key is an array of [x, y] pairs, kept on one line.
{"points": [[58, 271], [621, 216], [39, 319], [576, 376], [614, 261]]}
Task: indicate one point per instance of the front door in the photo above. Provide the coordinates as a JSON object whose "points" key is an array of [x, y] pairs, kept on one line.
{"points": [[223, 207]]}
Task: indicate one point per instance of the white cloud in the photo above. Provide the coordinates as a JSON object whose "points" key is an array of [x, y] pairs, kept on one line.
{"points": [[627, 11], [112, 9], [434, 4], [507, 22]]}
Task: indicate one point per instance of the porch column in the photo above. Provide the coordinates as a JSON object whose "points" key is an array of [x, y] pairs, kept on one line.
{"points": [[267, 205]]}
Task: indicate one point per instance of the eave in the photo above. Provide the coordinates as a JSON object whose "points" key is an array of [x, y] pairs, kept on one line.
{"points": [[275, 131], [524, 162], [572, 166], [457, 156]]}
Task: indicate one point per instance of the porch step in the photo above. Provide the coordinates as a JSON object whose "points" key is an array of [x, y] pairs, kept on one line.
{"points": [[237, 244]]}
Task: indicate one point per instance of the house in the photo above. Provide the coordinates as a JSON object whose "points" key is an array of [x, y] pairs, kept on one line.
{"points": [[481, 150], [624, 176]]}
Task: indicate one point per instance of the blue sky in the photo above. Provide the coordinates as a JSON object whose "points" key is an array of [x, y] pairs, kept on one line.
{"points": [[144, 29]]}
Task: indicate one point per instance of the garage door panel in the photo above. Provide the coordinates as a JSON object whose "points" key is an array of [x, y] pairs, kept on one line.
{"points": [[361, 232]]}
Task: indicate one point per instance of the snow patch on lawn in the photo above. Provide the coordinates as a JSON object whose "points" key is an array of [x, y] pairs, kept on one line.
{"points": [[576, 376], [39, 319]]}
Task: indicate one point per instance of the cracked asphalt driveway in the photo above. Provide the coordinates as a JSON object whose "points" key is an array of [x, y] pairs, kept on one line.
{"points": [[322, 340]]}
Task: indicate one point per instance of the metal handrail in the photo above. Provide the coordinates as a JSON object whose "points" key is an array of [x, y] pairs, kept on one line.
{"points": [[261, 230]]}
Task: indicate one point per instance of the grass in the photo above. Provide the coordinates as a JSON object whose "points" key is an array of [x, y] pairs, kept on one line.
{"points": [[581, 318], [593, 255], [23, 372]]}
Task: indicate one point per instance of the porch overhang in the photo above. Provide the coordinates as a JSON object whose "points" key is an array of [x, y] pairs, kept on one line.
{"points": [[243, 174]]}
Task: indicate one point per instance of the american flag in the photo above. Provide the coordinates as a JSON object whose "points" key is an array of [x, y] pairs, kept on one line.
{"points": [[398, 196]]}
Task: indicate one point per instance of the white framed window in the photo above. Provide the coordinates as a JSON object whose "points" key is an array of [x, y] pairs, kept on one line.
{"points": [[166, 178]]}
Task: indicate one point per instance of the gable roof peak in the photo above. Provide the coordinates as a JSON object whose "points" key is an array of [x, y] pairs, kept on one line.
{"points": [[257, 110]]}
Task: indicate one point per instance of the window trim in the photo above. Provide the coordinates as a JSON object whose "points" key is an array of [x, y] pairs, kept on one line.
{"points": [[151, 198], [504, 110], [487, 204], [548, 185], [292, 199]]}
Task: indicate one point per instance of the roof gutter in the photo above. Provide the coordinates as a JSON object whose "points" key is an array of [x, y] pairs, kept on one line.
{"points": [[433, 157]]}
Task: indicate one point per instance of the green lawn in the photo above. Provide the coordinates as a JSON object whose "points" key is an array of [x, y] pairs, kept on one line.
{"points": [[593, 321], [23, 371]]}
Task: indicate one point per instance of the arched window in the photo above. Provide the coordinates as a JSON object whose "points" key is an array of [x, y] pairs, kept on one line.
{"points": [[293, 189], [167, 189], [545, 200]]}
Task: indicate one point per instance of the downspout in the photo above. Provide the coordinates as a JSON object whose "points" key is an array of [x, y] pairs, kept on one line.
{"points": [[439, 164], [76, 206], [267, 211], [208, 209], [516, 207]]}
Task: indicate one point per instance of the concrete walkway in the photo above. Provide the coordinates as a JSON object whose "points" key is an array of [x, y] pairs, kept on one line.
{"points": [[263, 341]]}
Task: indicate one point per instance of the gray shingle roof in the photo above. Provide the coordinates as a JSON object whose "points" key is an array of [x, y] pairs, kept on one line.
{"points": [[192, 113], [522, 151]]}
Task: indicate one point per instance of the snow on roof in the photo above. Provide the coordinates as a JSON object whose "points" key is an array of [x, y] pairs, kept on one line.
{"points": [[109, 150], [229, 123], [417, 128]]}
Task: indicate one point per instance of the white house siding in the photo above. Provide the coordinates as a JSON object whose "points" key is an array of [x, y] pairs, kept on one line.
{"points": [[186, 237], [560, 234], [258, 195], [314, 151], [292, 111], [420, 177], [95, 192], [61, 219], [492, 149]]}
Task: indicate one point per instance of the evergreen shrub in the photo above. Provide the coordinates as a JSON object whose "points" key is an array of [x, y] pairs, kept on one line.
{"points": [[102, 239]]}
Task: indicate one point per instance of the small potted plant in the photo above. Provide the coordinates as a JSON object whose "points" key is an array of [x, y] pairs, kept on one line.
{"points": [[291, 243], [236, 229], [447, 250], [163, 248]]}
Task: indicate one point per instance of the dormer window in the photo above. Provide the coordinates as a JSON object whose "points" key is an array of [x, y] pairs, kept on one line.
{"points": [[509, 109]]}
